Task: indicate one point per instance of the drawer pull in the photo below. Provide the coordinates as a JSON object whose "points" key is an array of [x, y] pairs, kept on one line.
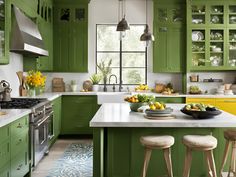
{"points": [[19, 126], [19, 167]]}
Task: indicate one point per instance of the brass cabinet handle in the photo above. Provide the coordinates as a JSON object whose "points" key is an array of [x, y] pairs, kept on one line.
{"points": [[230, 101], [19, 167], [19, 126]]}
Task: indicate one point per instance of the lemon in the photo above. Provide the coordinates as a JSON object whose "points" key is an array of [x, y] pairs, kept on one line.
{"points": [[152, 107]]}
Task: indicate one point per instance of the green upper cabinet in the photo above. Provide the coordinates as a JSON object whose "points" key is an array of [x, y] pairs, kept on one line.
{"points": [[169, 30], [5, 11], [71, 36], [211, 35], [44, 13]]}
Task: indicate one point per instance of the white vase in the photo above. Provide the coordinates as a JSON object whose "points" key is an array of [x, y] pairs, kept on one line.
{"points": [[95, 88], [73, 88]]}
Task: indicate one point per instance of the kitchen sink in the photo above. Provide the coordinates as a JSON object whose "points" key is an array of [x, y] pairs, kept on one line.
{"points": [[112, 97]]}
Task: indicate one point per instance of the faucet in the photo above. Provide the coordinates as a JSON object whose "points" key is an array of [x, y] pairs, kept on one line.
{"points": [[113, 88]]}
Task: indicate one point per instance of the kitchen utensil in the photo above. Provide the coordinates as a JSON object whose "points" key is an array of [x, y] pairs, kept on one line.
{"points": [[7, 94], [201, 114], [20, 77]]}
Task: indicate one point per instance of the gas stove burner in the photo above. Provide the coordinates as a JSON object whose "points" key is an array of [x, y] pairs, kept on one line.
{"points": [[21, 103]]}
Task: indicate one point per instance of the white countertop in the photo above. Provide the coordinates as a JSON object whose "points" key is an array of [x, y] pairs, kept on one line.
{"points": [[119, 115], [12, 115]]}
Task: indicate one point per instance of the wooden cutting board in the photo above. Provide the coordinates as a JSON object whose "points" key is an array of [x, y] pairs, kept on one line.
{"points": [[160, 118]]}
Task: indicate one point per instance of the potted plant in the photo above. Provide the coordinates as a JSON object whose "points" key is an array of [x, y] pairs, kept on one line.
{"points": [[35, 80], [95, 78], [105, 70], [73, 85]]}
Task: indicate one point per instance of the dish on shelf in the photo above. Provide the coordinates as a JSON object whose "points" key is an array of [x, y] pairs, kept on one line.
{"points": [[215, 19], [197, 21], [232, 19], [216, 36], [232, 62], [216, 49], [197, 36], [215, 60]]}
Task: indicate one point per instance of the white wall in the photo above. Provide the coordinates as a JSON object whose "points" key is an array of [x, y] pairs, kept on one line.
{"points": [[8, 72], [106, 12]]}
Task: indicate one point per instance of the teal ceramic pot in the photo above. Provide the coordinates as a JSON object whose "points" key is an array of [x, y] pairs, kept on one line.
{"points": [[134, 106]]}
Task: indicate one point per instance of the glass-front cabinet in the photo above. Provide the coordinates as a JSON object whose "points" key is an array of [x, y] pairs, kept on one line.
{"points": [[4, 31], [211, 41]]}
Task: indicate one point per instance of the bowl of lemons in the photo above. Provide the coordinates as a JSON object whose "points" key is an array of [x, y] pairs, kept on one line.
{"points": [[139, 100]]}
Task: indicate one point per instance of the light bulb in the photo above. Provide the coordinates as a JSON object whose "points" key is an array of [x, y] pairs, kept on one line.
{"points": [[122, 34]]}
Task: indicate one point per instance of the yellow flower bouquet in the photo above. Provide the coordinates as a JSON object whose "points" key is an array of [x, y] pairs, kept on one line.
{"points": [[35, 80]]}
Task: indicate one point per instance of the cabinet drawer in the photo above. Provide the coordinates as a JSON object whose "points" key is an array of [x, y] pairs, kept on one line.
{"points": [[228, 104], [19, 143], [20, 165], [4, 153], [210, 101], [5, 171], [80, 99], [4, 133], [18, 126]]}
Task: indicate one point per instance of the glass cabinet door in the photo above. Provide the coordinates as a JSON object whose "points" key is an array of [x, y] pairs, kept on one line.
{"points": [[162, 15], [232, 14], [2, 28], [232, 48], [216, 14], [198, 14]]}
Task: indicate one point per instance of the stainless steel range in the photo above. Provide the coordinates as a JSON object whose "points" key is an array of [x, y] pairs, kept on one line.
{"points": [[41, 123]]}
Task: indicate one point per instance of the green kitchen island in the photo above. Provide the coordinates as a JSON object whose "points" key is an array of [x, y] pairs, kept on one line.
{"points": [[118, 152]]}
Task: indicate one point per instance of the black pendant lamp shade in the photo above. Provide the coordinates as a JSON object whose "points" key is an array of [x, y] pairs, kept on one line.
{"points": [[123, 25], [147, 35]]}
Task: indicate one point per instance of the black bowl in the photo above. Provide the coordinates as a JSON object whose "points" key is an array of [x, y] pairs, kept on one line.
{"points": [[201, 114]]}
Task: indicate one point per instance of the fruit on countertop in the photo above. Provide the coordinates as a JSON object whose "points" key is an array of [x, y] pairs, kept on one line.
{"points": [[194, 90], [199, 107], [157, 106], [142, 87], [140, 98]]}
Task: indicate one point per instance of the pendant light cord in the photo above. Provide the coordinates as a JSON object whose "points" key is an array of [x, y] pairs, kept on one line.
{"points": [[146, 12]]}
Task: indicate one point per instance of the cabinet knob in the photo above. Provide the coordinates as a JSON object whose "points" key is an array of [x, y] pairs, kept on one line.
{"points": [[19, 126]]}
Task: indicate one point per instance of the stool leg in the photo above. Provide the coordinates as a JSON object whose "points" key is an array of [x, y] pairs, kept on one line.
{"points": [[147, 157], [167, 156], [209, 172], [187, 163], [226, 153], [232, 162], [212, 163]]}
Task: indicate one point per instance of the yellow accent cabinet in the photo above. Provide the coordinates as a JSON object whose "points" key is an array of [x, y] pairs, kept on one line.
{"points": [[225, 104]]}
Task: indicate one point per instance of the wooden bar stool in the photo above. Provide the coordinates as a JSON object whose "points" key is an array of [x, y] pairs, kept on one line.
{"points": [[157, 142], [230, 136], [204, 143]]}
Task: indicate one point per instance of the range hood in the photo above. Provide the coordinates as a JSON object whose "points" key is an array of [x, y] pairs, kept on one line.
{"points": [[26, 38]]}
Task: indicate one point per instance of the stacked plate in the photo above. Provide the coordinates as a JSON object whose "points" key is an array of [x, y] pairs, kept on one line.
{"points": [[159, 114]]}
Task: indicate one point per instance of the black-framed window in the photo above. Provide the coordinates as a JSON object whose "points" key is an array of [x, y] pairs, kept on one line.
{"points": [[129, 55]]}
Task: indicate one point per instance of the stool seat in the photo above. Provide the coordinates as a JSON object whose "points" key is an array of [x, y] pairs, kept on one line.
{"points": [[230, 135], [160, 142], [200, 142]]}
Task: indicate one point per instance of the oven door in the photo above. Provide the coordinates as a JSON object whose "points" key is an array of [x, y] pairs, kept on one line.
{"points": [[40, 135]]}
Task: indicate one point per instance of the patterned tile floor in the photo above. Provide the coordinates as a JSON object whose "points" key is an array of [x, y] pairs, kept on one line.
{"points": [[67, 151]]}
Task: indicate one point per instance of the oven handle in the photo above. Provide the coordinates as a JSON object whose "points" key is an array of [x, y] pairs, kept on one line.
{"points": [[44, 120]]}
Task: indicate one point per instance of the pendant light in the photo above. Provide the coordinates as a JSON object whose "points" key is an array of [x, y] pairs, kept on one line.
{"points": [[147, 36], [123, 24]]}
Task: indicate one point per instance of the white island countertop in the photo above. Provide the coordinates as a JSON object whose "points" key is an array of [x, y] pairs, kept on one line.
{"points": [[119, 115]]}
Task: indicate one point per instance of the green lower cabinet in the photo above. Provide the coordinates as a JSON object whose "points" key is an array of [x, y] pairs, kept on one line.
{"points": [[5, 171], [171, 99], [4, 154], [119, 152], [20, 164], [77, 111], [56, 120]]}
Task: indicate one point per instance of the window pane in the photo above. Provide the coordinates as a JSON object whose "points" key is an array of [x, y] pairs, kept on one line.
{"points": [[115, 71], [133, 59], [132, 42], [133, 76], [107, 56], [107, 38]]}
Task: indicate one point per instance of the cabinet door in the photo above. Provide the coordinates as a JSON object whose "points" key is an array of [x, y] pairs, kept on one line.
{"points": [[77, 111], [160, 50], [5, 171], [210, 101], [176, 50], [227, 105], [57, 116], [61, 39], [20, 164], [5, 11], [4, 153]]}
